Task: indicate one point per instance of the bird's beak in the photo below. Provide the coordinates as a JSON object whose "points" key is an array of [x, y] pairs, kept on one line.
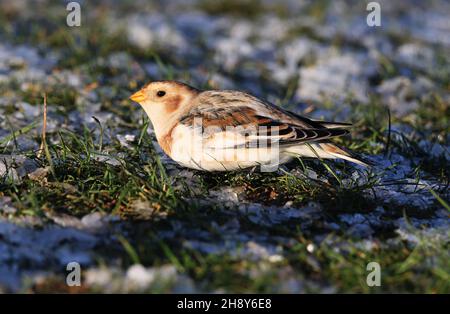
{"points": [[138, 96]]}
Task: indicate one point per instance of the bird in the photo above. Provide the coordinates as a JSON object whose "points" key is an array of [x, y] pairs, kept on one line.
{"points": [[227, 130]]}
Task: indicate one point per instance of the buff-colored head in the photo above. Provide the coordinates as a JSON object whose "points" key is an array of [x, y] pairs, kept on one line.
{"points": [[163, 100]]}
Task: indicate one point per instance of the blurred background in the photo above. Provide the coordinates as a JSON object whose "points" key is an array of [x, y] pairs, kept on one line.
{"points": [[290, 50], [318, 58]]}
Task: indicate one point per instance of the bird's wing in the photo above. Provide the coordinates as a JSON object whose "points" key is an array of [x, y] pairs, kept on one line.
{"points": [[228, 114], [326, 124]]}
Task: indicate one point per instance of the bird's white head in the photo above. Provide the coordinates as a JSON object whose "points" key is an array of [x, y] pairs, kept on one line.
{"points": [[163, 101]]}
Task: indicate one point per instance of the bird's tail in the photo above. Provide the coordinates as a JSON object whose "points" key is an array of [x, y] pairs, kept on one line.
{"points": [[338, 152]]}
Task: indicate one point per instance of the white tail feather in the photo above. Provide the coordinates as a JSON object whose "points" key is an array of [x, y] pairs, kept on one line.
{"points": [[354, 160], [337, 152]]}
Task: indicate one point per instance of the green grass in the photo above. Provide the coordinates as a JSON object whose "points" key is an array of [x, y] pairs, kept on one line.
{"points": [[422, 269], [79, 185]]}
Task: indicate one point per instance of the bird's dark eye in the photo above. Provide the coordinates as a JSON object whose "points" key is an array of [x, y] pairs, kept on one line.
{"points": [[160, 93]]}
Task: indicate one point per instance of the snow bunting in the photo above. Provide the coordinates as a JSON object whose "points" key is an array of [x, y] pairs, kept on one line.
{"points": [[221, 130]]}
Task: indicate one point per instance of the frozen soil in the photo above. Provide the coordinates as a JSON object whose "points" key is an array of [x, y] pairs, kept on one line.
{"points": [[103, 194]]}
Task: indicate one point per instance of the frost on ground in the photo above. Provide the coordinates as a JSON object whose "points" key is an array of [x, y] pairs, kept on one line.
{"points": [[305, 228]]}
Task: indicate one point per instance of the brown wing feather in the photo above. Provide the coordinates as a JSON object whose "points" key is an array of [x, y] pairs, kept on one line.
{"points": [[223, 109]]}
